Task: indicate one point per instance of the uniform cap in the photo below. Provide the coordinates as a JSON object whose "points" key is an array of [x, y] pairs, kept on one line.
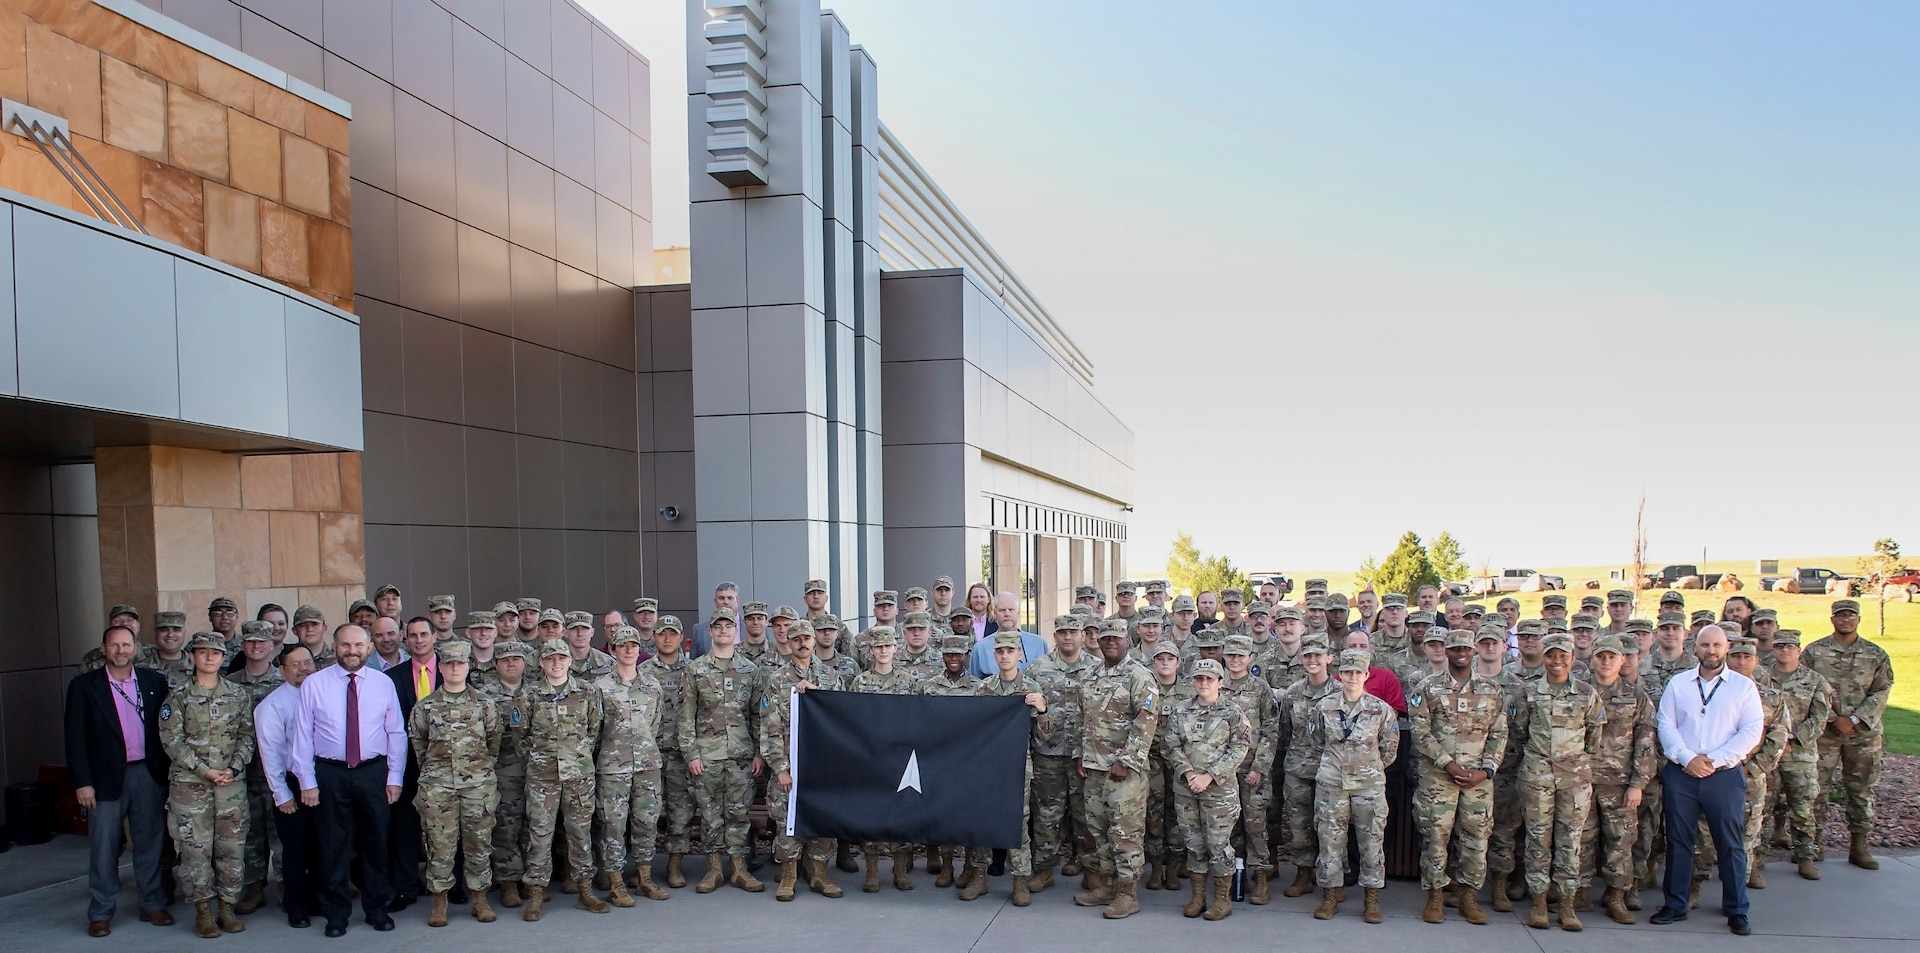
{"points": [[668, 623], [1336, 601], [825, 620], [1592, 602], [1731, 628], [1208, 667], [207, 640], [886, 597], [1702, 615], [1066, 620], [1209, 639], [1435, 635], [1787, 637], [1238, 645], [1556, 600], [625, 635], [257, 631], [1582, 620], [1232, 594], [1459, 639], [1150, 615], [1089, 619], [1672, 618], [1765, 615], [1165, 648], [512, 648], [527, 604], [943, 582], [504, 608], [960, 611], [552, 615], [383, 590], [1183, 603], [801, 630], [1008, 640], [1846, 605], [1618, 595], [816, 585], [1317, 601], [172, 619], [300, 615], [481, 620], [553, 647], [919, 620], [914, 592], [1743, 647], [1156, 585], [1316, 585], [881, 635], [1288, 612], [1114, 628], [1531, 627], [1561, 642], [222, 603], [1314, 643], [721, 614], [1491, 630], [1355, 660], [753, 608], [1557, 625], [1612, 643], [1639, 625], [1670, 597], [358, 604], [646, 604], [1126, 587], [436, 603], [1420, 617], [785, 612], [1085, 592], [1474, 609], [1394, 599], [123, 610], [956, 645], [455, 650], [1259, 608], [579, 620]]}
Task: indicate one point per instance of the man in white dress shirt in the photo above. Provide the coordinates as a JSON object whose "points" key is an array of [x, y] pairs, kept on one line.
{"points": [[1710, 721], [273, 725], [350, 756]]}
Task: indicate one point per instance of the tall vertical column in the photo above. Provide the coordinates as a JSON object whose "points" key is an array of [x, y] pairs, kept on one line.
{"points": [[863, 124], [759, 295], [850, 593]]}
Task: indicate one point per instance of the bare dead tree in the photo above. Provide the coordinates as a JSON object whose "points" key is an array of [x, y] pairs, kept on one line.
{"points": [[1640, 540]]}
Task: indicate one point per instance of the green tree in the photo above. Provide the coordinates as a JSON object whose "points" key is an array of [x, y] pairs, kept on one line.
{"points": [[1883, 564], [1407, 568], [1188, 568], [1449, 557], [1368, 571]]}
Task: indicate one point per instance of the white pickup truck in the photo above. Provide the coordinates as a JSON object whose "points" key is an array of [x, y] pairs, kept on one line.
{"points": [[1514, 580]]}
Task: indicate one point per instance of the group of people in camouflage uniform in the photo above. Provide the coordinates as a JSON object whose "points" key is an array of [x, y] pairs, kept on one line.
{"points": [[1165, 744]]}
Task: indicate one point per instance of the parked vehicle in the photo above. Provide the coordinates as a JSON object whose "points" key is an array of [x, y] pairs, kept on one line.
{"points": [[1810, 579], [1514, 580], [1279, 579], [1670, 576], [1908, 578]]}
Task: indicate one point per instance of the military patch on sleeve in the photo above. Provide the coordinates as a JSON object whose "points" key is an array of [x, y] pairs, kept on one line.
{"points": [[166, 711], [1413, 700]]}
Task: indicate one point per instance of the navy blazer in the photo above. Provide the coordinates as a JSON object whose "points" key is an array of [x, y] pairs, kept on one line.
{"points": [[96, 750]]}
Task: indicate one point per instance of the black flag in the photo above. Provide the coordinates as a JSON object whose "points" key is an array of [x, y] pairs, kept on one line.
{"points": [[918, 769]]}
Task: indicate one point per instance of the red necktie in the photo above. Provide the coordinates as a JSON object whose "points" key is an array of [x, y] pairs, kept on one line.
{"points": [[353, 721]]}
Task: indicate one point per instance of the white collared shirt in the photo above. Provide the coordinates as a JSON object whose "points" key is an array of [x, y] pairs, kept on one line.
{"points": [[1718, 717], [273, 721]]}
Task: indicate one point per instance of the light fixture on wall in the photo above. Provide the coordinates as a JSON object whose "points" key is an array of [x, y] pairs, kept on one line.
{"points": [[669, 513]]}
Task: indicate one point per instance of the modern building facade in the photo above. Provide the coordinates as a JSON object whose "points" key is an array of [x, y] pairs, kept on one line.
{"points": [[354, 292]]}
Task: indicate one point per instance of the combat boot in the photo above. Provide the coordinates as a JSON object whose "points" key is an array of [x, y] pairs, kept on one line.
{"points": [[1756, 880], [643, 884], [1302, 883], [481, 910], [1451, 895], [1569, 921], [1470, 906], [783, 892], [820, 880], [976, 881], [1041, 879], [1501, 902], [1153, 875], [903, 870], [1808, 871], [944, 862], [1693, 898], [1124, 903], [601, 882], [1099, 891], [1633, 899], [1583, 898], [1371, 911], [227, 920], [588, 900], [510, 894], [1436, 911], [1022, 892], [1537, 919], [1222, 905], [1073, 867], [536, 896], [872, 884], [1616, 903], [1858, 856], [745, 881], [716, 870], [1259, 895], [617, 893], [255, 895], [203, 922], [1330, 898], [437, 915], [843, 858], [967, 870], [674, 877], [1199, 900]]}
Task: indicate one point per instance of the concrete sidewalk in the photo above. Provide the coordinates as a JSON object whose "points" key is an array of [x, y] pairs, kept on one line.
{"points": [[1867, 912]]}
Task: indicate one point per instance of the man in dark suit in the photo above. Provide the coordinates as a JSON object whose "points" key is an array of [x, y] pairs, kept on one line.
{"points": [[119, 774], [413, 680]]}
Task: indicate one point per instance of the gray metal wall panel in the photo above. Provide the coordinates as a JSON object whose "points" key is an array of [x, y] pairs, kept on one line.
{"points": [[323, 368], [228, 326]]}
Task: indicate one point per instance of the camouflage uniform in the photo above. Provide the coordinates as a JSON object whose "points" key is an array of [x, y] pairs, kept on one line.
{"points": [[1626, 756], [627, 770], [1777, 727], [1798, 779], [1058, 789], [1165, 841], [1118, 711], [456, 739], [895, 682], [263, 841], [1215, 740], [716, 728], [1301, 763], [1558, 728], [1019, 859], [676, 785], [563, 722], [201, 730], [509, 768], [1861, 677], [1357, 740], [1649, 849], [1462, 722], [776, 694], [1256, 698]]}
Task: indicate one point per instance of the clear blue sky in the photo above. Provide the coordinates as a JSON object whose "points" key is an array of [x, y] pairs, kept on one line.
{"points": [[1355, 268]]}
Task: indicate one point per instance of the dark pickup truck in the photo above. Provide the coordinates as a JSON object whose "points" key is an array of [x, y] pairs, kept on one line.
{"points": [[1811, 579], [1670, 576]]}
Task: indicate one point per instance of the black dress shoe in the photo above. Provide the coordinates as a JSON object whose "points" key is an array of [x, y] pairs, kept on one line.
{"points": [[400, 902], [299, 921], [336, 930], [1666, 915], [382, 924], [1739, 925]]}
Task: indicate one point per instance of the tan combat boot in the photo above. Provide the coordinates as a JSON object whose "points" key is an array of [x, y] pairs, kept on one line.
{"points": [[252, 899], [716, 871], [819, 880], [1099, 891], [1154, 878], [1022, 893], [437, 915], [1616, 904], [976, 881], [510, 894], [617, 893], [1436, 910], [1124, 903], [1371, 911], [1330, 898], [1259, 897], [588, 900], [746, 881], [643, 884], [903, 870], [1583, 897], [536, 896], [674, 877], [203, 922], [1537, 919], [783, 892], [1756, 878], [1569, 920], [1502, 903], [1041, 879], [1470, 906], [943, 859], [872, 884], [1222, 905], [1808, 870], [482, 911], [1858, 855], [1302, 883], [1198, 901]]}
